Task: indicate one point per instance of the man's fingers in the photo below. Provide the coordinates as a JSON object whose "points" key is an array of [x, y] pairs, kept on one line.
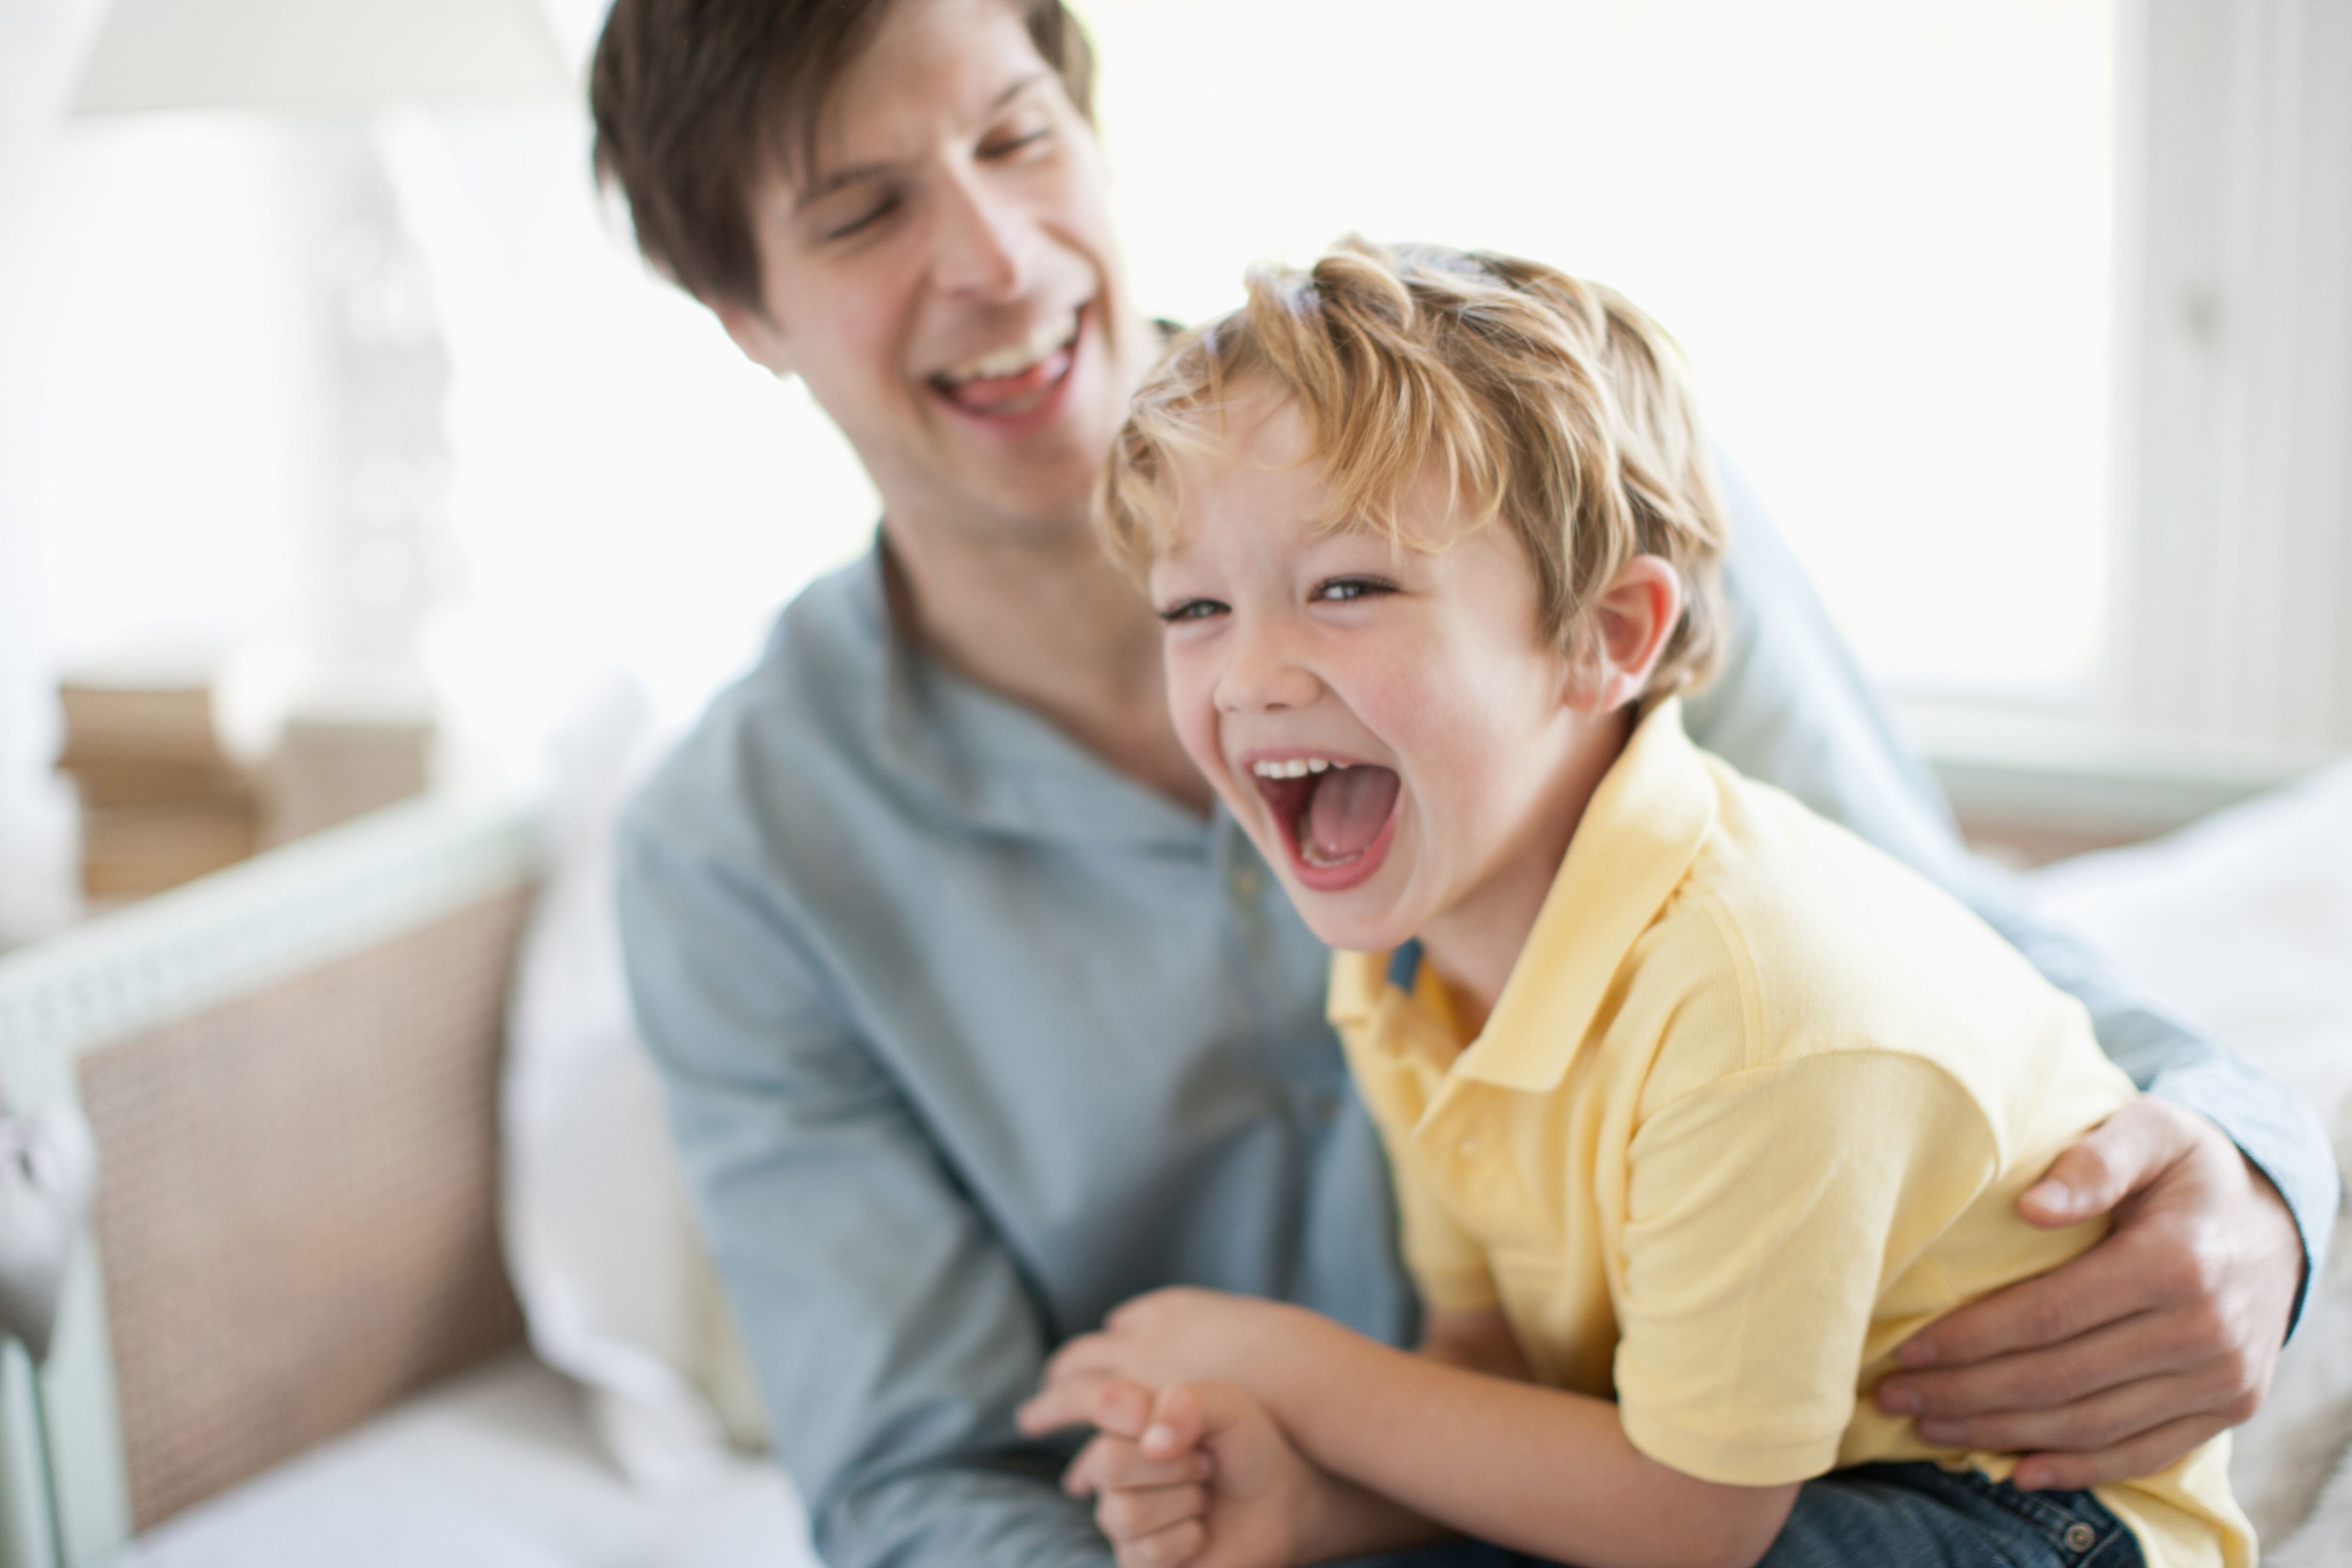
{"points": [[2113, 1280], [2111, 1419], [2107, 1165], [2146, 1344], [1170, 1548], [1133, 1512], [2145, 1455]]}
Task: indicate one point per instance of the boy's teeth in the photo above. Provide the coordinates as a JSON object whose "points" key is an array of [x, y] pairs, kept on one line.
{"points": [[1293, 768]]}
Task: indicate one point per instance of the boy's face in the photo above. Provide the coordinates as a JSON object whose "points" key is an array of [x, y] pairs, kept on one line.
{"points": [[1388, 725], [944, 278]]}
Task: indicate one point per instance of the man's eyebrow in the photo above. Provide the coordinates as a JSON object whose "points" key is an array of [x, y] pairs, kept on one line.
{"points": [[840, 178]]}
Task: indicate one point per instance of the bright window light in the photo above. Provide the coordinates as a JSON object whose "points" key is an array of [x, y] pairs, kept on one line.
{"points": [[1880, 231]]}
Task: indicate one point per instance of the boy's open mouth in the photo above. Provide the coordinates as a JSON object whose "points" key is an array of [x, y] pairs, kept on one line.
{"points": [[1337, 817]]}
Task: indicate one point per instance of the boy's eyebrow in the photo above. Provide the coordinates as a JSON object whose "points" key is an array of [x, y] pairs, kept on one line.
{"points": [[840, 178]]}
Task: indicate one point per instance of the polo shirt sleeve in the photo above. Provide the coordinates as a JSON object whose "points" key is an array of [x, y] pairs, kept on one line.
{"points": [[1765, 1210]]}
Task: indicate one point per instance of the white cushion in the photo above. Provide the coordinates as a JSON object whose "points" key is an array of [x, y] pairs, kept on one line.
{"points": [[496, 1466]]}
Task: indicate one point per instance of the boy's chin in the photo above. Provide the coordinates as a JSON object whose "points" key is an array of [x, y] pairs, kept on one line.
{"points": [[1344, 930]]}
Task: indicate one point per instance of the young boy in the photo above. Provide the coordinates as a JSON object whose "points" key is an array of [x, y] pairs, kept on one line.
{"points": [[1697, 1105]]}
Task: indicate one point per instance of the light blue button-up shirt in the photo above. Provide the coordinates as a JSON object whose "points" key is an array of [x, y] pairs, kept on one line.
{"points": [[968, 1039]]}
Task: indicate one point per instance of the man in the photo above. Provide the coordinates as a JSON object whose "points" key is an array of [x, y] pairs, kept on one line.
{"points": [[978, 1019]]}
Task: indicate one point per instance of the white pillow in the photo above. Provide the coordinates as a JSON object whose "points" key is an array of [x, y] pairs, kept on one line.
{"points": [[615, 1280], [2244, 922]]}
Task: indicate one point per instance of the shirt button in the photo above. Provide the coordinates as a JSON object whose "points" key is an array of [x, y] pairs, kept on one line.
{"points": [[1467, 1148], [2081, 1537], [1245, 883]]}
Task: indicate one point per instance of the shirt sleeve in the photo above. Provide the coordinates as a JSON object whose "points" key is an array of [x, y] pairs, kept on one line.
{"points": [[1765, 1211], [890, 1327], [1791, 706]]}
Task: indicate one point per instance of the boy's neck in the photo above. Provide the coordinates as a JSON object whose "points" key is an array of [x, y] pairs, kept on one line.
{"points": [[1477, 942]]}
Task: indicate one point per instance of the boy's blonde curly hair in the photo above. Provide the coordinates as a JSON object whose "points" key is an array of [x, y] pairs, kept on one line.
{"points": [[1543, 400]]}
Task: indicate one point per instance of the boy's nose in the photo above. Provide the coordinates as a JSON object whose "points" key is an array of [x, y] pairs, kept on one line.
{"points": [[1261, 676]]}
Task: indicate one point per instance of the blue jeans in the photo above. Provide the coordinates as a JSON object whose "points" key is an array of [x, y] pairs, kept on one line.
{"points": [[1914, 1515]]}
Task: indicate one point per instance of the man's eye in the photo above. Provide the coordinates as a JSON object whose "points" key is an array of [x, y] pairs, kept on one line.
{"points": [[1005, 147], [1191, 609], [867, 217], [1345, 589]]}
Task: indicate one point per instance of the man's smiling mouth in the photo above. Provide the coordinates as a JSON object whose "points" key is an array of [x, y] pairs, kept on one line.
{"points": [[1336, 815], [1019, 376]]}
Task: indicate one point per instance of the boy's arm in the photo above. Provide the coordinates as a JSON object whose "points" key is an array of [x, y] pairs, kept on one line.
{"points": [[1475, 1341], [1793, 708], [1413, 1444]]}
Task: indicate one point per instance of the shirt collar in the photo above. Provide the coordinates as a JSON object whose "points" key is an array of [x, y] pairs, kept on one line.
{"points": [[992, 764], [1638, 836]]}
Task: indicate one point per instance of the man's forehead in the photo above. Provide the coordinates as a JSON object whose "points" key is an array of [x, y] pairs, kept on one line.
{"points": [[931, 65]]}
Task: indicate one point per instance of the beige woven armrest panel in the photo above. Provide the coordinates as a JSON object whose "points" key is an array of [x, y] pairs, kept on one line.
{"points": [[296, 1216]]}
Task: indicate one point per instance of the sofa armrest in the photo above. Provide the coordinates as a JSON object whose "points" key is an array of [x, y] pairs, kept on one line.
{"points": [[291, 1071]]}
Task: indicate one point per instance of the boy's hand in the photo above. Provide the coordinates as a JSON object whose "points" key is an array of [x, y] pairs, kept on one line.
{"points": [[1196, 1476], [1185, 1335], [2119, 1363]]}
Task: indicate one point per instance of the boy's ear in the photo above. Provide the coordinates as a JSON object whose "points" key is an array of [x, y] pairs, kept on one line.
{"points": [[1629, 623], [761, 341]]}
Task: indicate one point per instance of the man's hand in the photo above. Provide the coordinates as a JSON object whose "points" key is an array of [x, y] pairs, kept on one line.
{"points": [[1195, 1475], [2119, 1363]]}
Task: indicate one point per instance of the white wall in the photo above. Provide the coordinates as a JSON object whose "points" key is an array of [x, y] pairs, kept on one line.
{"points": [[2234, 386]]}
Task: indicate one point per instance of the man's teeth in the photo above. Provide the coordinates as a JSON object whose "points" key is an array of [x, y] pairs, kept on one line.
{"points": [[1294, 767], [1046, 338]]}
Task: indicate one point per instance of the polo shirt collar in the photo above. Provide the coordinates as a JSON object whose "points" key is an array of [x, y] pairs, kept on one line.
{"points": [[1639, 832], [994, 765]]}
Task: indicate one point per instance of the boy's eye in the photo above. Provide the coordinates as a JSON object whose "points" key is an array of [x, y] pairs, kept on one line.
{"points": [[1345, 589], [1191, 610]]}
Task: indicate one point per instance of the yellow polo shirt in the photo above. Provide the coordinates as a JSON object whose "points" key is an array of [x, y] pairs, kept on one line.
{"points": [[1755, 1104]]}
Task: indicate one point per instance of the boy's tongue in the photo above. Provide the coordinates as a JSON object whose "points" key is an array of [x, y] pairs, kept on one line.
{"points": [[1345, 814]]}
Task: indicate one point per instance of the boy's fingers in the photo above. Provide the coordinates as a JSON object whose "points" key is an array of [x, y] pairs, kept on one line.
{"points": [[1089, 1353], [1109, 1462], [1170, 1548], [1177, 1422], [1135, 1511], [1095, 1399]]}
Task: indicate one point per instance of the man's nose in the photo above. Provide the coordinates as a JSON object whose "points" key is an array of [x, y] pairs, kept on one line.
{"points": [[1263, 673], [985, 241]]}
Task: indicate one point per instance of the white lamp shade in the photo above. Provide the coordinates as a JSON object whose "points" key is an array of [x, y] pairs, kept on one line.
{"points": [[319, 55]]}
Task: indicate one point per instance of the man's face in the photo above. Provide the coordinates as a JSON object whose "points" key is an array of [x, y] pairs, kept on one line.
{"points": [[944, 278], [1389, 725]]}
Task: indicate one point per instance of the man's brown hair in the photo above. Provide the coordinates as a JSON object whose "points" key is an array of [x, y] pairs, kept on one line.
{"points": [[1548, 403], [695, 99]]}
